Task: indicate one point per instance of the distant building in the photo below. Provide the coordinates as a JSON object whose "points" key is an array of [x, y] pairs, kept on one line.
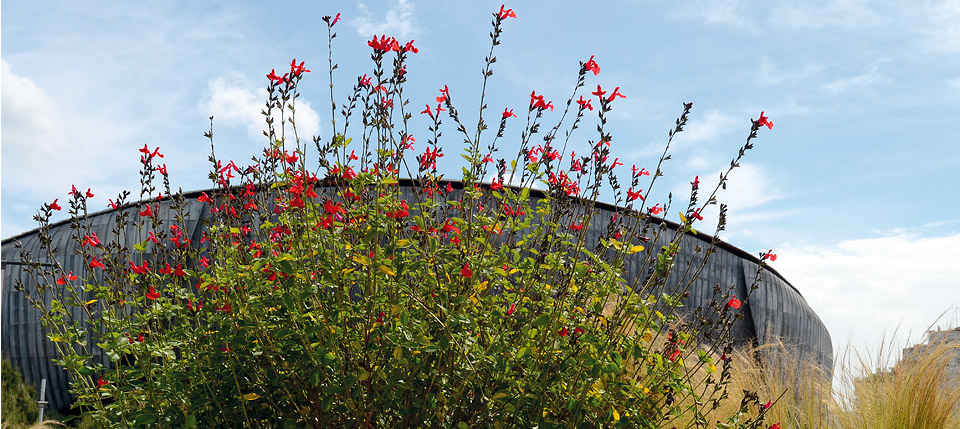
{"points": [[950, 337]]}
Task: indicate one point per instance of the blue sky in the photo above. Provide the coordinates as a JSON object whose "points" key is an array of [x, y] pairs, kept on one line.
{"points": [[854, 187]]}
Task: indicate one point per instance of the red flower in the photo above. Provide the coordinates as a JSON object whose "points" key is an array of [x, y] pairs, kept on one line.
{"points": [[64, 279], [337, 18], [656, 209], [89, 194], [101, 382], [225, 308], [765, 121], [97, 263], [147, 154], [54, 205], [734, 302], [194, 307], [297, 70], [512, 309], [696, 215], [113, 205], [166, 270], [576, 226], [775, 426], [674, 355], [599, 92], [147, 211], [364, 81], [769, 255], [578, 330], [274, 78], [466, 271], [584, 104], [591, 65], [631, 195], [162, 169], [427, 111], [506, 13], [696, 182], [767, 405], [331, 208], [179, 271], [152, 294], [563, 332], [508, 113], [91, 240], [409, 47], [496, 184], [537, 102], [141, 269], [204, 198], [616, 93]]}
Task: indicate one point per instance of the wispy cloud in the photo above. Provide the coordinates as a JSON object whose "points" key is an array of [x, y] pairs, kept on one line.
{"points": [[713, 124], [770, 74], [237, 101], [861, 81], [849, 14], [748, 195], [398, 21]]}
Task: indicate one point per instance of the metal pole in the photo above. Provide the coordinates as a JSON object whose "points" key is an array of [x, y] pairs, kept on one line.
{"points": [[41, 403]]}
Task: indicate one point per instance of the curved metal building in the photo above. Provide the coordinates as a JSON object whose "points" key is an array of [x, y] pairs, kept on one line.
{"points": [[774, 312]]}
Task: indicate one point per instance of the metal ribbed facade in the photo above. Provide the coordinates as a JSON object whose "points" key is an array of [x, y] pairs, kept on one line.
{"points": [[776, 311]]}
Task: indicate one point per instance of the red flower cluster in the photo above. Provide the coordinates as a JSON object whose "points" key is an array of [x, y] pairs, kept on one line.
{"points": [[401, 212], [537, 102], [765, 121], [64, 279], [584, 104], [769, 255], [591, 65], [506, 13], [387, 44], [734, 302]]}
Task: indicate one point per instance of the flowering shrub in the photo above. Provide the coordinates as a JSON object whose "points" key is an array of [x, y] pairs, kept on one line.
{"points": [[379, 293]]}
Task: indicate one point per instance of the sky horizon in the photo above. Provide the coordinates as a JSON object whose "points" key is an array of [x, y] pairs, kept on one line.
{"points": [[851, 187]]}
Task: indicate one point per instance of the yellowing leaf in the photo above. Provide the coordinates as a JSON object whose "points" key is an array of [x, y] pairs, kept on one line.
{"points": [[361, 259], [387, 270], [683, 218], [498, 395], [251, 396], [515, 270], [403, 242], [482, 287], [474, 299], [582, 311], [90, 302], [635, 249], [616, 416], [616, 244]]}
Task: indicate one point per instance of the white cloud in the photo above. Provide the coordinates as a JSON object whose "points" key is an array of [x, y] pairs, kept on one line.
{"points": [[750, 190], [42, 154], [770, 74], [398, 21], [865, 288], [850, 14], [714, 124], [864, 80], [235, 100]]}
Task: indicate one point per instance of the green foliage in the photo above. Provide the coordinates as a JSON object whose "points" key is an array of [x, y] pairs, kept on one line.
{"points": [[19, 399], [347, 300]]}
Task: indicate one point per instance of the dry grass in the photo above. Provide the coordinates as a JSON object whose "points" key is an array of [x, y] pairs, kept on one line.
{"points": [[917, 393]]}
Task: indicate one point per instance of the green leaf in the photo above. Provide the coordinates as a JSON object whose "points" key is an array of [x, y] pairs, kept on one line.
{"points": [[542, 320]]}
